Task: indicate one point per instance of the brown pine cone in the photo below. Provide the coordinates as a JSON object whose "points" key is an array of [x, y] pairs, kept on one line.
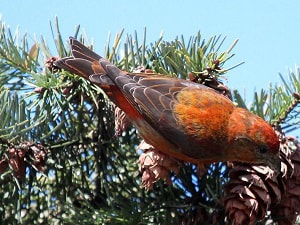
{"points": [[209, 79], [16, 158], [285, 213], [50, 64], [247, 196], [19, 156], [252, 189], [121, 121], [155, 165]]}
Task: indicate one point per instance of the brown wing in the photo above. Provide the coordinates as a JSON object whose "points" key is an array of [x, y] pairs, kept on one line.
{"points": [[155, 98], [181, 111]]}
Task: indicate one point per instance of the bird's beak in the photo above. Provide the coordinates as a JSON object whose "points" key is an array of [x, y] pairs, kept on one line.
{"points": [[275, 165]]}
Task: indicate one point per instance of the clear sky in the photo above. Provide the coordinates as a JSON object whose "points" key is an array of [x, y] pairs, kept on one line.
{"points": [[268, 31]]}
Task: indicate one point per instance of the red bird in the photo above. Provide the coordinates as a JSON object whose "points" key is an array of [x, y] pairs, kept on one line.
{"points": [[180, 118]]}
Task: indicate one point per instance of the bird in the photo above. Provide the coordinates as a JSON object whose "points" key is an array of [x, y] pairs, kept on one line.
{"points": [[183, 119]]}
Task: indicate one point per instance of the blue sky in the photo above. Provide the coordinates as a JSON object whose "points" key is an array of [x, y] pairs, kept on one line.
{"points": [[268, 31]]}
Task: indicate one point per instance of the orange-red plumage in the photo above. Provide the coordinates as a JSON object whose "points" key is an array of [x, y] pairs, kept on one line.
{"points": [[183, 119]]}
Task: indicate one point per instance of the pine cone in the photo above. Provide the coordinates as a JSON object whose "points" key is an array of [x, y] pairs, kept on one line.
{"points": [[50, 64], [209, 79], [254, 188], [285, 213], [19, 156], [247, 196], [155, 165], [16, 158], [121, 121]]}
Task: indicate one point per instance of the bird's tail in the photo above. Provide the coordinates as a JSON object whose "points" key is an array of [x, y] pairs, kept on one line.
{"points": [[84, 61], [93, 67]]}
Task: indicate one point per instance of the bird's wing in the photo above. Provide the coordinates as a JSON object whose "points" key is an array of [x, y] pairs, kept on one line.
{"points": [[164, 103]]}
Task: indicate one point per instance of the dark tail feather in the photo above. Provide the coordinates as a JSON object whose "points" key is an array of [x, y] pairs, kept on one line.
{"points": [[80, 67], [82, 52], [84, 62]]}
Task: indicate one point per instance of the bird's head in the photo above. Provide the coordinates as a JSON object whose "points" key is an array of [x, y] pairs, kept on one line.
{"points": [[253, 139]]}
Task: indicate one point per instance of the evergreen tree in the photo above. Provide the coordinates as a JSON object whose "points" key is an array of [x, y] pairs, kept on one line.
{"points": [[61, 162]]}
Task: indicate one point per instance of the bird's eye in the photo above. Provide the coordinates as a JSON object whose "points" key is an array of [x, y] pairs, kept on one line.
{"points": [[263, 149]]}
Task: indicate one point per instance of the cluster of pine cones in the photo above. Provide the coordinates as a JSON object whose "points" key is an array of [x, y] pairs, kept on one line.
{"points": [[22, 155]]}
